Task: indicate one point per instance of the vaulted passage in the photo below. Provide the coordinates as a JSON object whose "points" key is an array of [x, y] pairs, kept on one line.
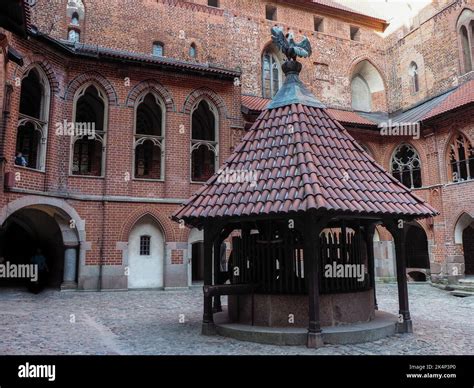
{"points": [[23, 234], [417, 248]]}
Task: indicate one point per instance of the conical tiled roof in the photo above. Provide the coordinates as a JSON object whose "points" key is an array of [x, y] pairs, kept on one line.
{"points": [[296, 158]]}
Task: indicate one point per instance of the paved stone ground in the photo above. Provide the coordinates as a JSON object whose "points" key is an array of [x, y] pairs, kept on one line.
{"points": [[147, 322]]}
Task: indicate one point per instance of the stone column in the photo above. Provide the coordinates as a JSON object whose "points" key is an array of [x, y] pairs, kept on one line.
{"points": [[70, 267]]}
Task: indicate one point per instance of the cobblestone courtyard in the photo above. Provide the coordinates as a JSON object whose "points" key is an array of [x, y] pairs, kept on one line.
{"points": [[148, 322]]}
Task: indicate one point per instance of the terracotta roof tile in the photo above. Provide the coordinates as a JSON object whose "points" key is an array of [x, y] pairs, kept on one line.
{"points": [[315, 169], [462, 96]]}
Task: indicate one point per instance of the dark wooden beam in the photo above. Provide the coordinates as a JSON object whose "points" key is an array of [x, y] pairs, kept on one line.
{"points": [[217, 269], [369, 231], [398, 231], [311, 253], [211, 234]]}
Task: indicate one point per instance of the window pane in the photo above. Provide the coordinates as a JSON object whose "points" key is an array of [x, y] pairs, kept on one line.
{"points": [[27, 146], [158, 50], [149, 117], [203, 164], [145, 245]]}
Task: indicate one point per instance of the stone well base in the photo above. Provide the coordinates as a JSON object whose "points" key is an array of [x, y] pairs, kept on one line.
{"points": [[381, 326], [292, 310]]}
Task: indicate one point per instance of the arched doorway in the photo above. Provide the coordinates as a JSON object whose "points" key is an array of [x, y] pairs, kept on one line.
{"points": [[417, 256], [146, 250], [464, 237], [195, 257], [468, 247], [48, 229]]}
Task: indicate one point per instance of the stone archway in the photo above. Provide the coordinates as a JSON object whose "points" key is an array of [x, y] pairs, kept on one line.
{"points": [[28, 225], [464, 239]]}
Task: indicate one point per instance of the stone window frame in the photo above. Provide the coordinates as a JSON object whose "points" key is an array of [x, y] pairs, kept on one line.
{"points": [[271, 12], [211, 145], [274, 61], [157, 44], [413, 72], [410, 167], [41, 124], [193, 50], [354, 33], [159, 141], [318, 23], [451, 150], [99, 135]]}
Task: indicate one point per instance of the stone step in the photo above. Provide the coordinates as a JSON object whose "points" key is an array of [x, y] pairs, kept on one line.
{"points": [[467, 281]]}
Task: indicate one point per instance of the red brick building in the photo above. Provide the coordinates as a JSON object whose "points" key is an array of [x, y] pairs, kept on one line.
{"points": [[121, 110]]}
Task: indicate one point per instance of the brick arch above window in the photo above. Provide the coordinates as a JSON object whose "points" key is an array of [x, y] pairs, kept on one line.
{"points": [[205, 93], [165, 224], [41, 62], [95, 77], [152, 86]]}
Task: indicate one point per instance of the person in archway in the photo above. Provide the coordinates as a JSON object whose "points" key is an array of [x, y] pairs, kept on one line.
{"points": [[42, 267]]}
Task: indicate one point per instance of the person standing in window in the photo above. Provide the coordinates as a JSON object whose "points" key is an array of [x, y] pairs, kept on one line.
{"points": [[20, 160]]}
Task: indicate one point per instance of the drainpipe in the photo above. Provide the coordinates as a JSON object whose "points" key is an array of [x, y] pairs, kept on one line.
{"points": [[101, 251], [104, 193]]}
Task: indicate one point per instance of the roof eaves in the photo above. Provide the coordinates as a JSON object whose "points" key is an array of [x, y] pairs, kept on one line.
{"points": [[97, 52]]}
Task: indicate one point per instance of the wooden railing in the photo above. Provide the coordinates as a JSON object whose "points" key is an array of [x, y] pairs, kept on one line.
{"points": [[277, 265]]}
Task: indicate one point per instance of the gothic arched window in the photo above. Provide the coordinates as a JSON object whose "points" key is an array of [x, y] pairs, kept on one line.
{"points": [[149, 139], [460, 159], [465, 28], [33, 118], [204, 141], [415, 83], [406, 166], [89, 138], [271, 74]]}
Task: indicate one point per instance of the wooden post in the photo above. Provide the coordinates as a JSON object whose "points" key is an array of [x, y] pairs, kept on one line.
{"points": [[217, 270], [398, 231], [311, 257], [369, 242], [208, 319]]}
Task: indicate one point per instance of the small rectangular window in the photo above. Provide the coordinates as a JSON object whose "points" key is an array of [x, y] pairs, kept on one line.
{"points": [[213, 3], [355, 33], [145, 245], [158, 49], [318, 24], [270, 12]]}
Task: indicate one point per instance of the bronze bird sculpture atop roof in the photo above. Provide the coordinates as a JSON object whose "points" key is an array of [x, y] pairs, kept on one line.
{"points": [[288, 46]]}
